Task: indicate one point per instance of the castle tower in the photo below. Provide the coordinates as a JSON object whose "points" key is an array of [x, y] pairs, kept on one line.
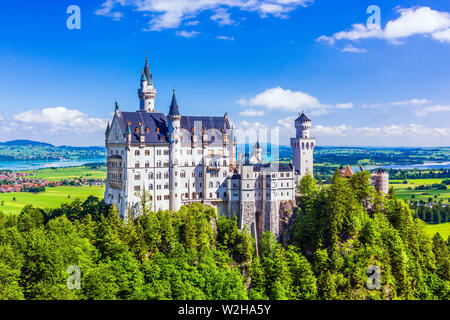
{"points": [[256, 154], [303, 146], [147, 92], [174, 120]]}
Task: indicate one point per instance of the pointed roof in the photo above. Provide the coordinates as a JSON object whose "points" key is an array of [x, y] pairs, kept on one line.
{"points": [[146, 72], [303, 118], [107, 128], [174, 111]]}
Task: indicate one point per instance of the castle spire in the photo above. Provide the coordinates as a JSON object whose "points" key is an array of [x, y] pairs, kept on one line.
{"points": [[146, 72], [174, 111]]}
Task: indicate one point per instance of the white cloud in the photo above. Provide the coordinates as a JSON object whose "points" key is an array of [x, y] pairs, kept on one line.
{"points": [[432, 109], [287, 100], [107, 9], [442, 36], [192, 23], [412, 21], [168, 14], [187, 34], [252, 113], [411, 130], [225, 38], [353, 49], [222, 17], [61, 119], [344, 105], [414, 102]]}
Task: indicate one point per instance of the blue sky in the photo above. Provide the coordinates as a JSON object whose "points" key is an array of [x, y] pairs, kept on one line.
{"points": [[261, 61]]}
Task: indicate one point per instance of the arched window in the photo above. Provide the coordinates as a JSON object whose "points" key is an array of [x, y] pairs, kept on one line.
{"points": [[137, 153], [211, 184], [147, 152], [150, 187], [303, 145], [224, 163], [158, 175], [218, 184], [136, 165], [307, 146], [225, 195], [166, 175], [194, 195], [158, 164], [183, 174], [150, 175], [147, 164]]}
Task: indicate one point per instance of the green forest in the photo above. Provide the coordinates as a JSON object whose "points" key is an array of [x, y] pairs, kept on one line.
{"points": [[339, 232]]}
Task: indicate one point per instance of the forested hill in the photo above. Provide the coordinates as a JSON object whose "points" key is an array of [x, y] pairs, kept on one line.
{"points": [[33, 150], [341, 233]]}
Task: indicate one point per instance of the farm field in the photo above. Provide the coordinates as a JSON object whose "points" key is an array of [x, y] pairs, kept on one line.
{"points": [[442, 228], [403, 193], [51, 198], [58, 174]]}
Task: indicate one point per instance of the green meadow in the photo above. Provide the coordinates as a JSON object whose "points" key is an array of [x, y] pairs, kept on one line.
{"points": [[442, 228], [57, 174], [51, 198], [402, 192]]}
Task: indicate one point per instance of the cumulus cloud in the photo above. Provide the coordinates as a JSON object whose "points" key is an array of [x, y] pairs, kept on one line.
{"points": [[61, 119], [411, 130], [344, 105], [167, 14], [432, 110], [413, 102], [292, 101], [222, 17], [252, 113], [412, 21], [353, 49], [108, 7], [225, 38], [187, 34]]}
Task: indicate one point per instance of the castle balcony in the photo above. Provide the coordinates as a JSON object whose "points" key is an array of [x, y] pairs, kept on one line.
{"points": [[213, 168]]}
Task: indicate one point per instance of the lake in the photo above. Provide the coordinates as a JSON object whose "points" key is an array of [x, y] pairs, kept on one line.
{"points": [[33, 165]]}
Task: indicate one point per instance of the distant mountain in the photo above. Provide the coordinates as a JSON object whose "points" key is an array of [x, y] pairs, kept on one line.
{"points": [[26, 143]]}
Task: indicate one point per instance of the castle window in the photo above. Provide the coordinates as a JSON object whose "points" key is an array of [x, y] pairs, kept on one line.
{"points": [[166, 175], [166, 186], [150, 186], [225, 195], [137, 188], [211, 184], [201, 195], [224, 174], [158, 197], [147, 164], [218, 184], [166, 164], [166, 152], [136, 130], [166, 197], [183, 174], [147, 152], [158, 164], [136, 165], [150, 175], [224, 163], [158, 175], [210, 194], [158, 187], [137, 176], [193, 174], [194, 195]]}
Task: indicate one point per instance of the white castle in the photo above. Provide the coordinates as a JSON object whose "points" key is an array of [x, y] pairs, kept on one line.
{"points": [[182, 159]]}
